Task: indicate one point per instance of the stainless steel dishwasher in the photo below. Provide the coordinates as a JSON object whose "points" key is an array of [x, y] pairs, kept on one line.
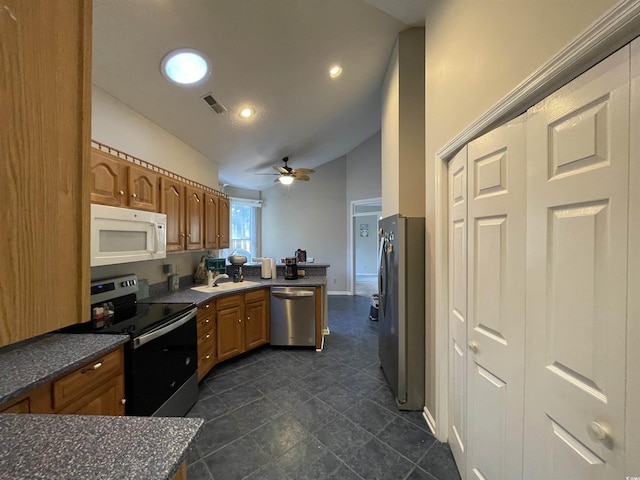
{"points": [[293, 316]]}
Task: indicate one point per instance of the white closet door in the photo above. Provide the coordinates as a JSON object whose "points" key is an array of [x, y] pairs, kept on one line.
{"points": [[633, 318], [458, 308], [577, 193], [496, 302]]}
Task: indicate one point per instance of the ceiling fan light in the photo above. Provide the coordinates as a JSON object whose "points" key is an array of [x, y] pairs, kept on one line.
{"points": [[286, 179]]}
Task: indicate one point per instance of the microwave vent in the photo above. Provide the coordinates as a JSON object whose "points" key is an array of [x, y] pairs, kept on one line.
{"points": [[214, 104]]}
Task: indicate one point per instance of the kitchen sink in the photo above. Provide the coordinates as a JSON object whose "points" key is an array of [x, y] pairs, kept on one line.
{"points": [[226, 287]]}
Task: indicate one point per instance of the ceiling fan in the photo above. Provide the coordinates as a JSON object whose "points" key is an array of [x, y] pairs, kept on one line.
{"points": [[288, 174]]}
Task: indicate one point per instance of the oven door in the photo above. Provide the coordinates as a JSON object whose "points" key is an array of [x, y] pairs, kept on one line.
{"points": [[162, 369]]}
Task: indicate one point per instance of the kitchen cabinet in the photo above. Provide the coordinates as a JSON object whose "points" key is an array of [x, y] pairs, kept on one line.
{"points": [[224, 223], [172, 204], [119, 183], [216, 221], [256, 317], [46, 112], [206, 338], [229, 313], [94, 388], [194, 218], [242, 323]]}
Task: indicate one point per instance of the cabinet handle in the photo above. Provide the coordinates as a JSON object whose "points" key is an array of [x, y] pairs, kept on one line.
{"points": [[134, 195], [91, 369], [207, 357], [207, 335], [207, 321], [123, 401], [239, 320], [182, 235], [121, 192], [248, 318], [473, 346], [206, 306], [189, 235], [602, 432]]}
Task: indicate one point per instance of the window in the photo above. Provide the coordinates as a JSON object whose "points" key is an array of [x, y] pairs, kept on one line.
{"points": [[245, 227]]}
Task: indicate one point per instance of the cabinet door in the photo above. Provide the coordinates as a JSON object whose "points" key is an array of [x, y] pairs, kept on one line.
{"points": [[143, 188], [172, 204], [211, 235], [224, 219], [256, 326], [195, 216], [107, 399], [229, 332], [108, 179], [46, 125]]}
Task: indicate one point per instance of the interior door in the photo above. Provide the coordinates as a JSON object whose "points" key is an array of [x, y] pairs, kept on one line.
{"points": [[457, 184], [578, 161], [496, 302]]}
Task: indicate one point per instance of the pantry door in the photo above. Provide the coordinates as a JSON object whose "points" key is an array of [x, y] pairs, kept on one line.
{"points": [[457, 186], [496, 302], [577, 194]]}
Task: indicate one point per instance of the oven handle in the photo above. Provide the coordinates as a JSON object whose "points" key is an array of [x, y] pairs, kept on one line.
{"points": [[147, 337]]}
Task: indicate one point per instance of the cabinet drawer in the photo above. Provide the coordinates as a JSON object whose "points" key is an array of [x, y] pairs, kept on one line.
{"points": [[206, 361], [228, 302], [87, 378], [205, 325], [255, 295], [206, 340], [22, 406], [206, 309]]}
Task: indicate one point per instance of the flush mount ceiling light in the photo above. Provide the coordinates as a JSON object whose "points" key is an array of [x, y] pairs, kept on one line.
{"points": [[185, 66], [246, 112], [286, 179], [335, 71]]}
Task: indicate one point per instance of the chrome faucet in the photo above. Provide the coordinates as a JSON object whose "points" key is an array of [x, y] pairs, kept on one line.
{"points": [[217, 277]]}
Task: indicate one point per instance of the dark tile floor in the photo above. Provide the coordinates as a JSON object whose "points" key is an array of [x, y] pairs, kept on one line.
{"points": [[288, 413]]}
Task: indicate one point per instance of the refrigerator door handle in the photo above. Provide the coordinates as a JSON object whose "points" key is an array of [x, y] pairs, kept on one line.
{"points": [[382, 273]]}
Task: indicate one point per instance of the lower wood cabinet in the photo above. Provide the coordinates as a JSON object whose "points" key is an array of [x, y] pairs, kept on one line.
{"points": [[95, 388], [206, 338], [243, 322]]}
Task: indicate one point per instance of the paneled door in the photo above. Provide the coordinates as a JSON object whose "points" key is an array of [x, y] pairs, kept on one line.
{"points": [[577, 207], [496, 210], [457, 185]]}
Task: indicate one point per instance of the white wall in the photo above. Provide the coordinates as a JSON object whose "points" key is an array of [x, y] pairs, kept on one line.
{"points": [[403, 127], [312, 216], [364, 167], [476, 53], [115, 124], [366, 246]]}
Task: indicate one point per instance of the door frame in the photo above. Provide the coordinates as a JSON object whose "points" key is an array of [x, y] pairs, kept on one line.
{"points": [[351, 266], [614, 29]]}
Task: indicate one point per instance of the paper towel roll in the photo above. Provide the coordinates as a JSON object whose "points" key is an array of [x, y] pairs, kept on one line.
{"points": [[266, 268], [274, 272]]}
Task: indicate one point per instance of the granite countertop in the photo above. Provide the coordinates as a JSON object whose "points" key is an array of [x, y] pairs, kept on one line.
{"points": [[186, 295], [30, 363], [96, 447]]}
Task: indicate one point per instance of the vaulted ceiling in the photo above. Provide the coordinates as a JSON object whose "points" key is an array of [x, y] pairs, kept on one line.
{"points": [[270, 55]]}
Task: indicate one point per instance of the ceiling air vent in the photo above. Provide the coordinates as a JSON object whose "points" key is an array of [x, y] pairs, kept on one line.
{"points": [[214, 104]]}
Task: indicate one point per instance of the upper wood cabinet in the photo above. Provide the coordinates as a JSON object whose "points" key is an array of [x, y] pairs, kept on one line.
{"points": [[143, 188], [195, 218], [119, 183], [224, 223], [172, 204], [211, 234], [45, 138]]}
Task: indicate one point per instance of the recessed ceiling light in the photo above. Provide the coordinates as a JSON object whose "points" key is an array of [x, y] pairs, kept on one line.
{"points": [[335, 71], [246, 112], [185, 66]]}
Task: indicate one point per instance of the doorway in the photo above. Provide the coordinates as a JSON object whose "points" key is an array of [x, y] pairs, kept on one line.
{"points": [[365, 215]]}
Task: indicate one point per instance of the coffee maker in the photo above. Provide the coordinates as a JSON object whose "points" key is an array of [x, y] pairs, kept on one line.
{"points": [[290, 268]]}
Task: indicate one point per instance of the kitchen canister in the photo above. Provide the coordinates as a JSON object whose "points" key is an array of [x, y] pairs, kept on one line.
{"points": [[274, 272]]}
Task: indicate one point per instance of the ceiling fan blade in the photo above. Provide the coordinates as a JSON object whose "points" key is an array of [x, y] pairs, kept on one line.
{"points": [[281, 170], [305, 171], [304, 178]]}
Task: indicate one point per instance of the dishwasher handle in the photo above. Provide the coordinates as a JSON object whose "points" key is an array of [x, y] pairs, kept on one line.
{"points": [[295, 294]]}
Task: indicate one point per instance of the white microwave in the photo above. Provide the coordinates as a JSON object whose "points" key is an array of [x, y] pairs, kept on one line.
{"points": [[122, 235]]}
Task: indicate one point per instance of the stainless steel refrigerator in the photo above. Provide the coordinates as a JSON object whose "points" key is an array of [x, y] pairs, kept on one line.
{"points": [[401, 316]]}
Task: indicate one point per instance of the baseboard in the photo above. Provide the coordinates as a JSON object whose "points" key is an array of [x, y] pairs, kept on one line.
{"points": [[430, 420]]}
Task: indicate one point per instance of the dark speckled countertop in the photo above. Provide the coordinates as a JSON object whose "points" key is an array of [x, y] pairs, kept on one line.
{"points": [[93, 447], [187, 295], [30, 363]]}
